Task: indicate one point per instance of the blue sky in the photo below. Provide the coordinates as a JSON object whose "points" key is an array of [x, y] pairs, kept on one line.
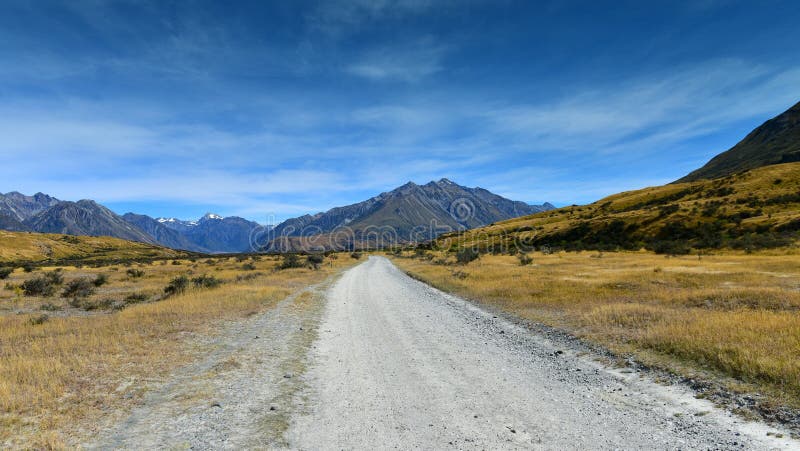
{"points": [[275, 109]]}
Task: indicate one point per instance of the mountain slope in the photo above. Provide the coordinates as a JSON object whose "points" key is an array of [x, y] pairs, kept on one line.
{"points": [[409, 213], [776, 141], [85, 217], [218, 234], [750, 210], [161, 234], [22, 207]]}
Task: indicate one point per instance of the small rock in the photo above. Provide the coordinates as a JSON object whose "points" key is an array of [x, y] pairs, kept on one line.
{"points": [[287, 376], [272, 408], [216, 404]]}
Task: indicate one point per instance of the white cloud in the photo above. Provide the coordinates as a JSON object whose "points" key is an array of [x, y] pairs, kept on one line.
{"points": [[408, 62]]}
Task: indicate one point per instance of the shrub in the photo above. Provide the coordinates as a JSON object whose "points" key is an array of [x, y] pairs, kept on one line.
{"points": [[4, 272], [177, 285], [28, 267], [314, 260], [134, 273], [135, 298], [248, 267], [38, 286], [78, 288], [525, 259], [176, 262], [249, 276], [38, 319], [466, 255], [205, 281], [100, 280], [355, 255], [291, 261], [49, 307], [54, 277]]}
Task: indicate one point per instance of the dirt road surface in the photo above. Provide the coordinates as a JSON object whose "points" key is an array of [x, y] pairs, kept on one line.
{"points": [[377, 360]]}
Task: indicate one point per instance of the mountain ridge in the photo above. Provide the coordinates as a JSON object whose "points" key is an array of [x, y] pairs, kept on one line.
{"points": [[410, 212], [775, 141]]}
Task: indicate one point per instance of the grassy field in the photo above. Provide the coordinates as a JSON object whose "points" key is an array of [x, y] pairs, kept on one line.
{"points": [[67, 360], [733, 318]]}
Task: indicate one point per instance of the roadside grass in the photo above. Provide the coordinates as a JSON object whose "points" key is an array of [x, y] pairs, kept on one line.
{"points": [[731, 316], [61, 371]]}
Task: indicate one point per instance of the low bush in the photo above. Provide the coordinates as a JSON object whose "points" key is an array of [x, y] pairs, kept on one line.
{"points": [[28, 267], [100, 280], [525, 259], [38, 286], [78, 288], [38, 319], [177, 285], [314, 260], [248, 267], [5, 272], [466, 255], [355, 255], [134, 273], [249, 276], [205, 281], [136, 298], [291, 261]]}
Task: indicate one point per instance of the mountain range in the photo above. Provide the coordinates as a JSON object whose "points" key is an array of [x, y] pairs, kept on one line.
{"points": [[46, 214], [411, 212]]}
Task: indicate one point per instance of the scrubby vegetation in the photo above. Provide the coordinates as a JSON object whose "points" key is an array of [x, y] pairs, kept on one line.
{"points": [[78, 288], [62, 358]]}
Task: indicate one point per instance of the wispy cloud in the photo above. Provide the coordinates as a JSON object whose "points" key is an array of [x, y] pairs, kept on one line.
{"points": [[408, 62]]}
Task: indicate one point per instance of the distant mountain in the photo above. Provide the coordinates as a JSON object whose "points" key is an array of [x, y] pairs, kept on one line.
{"points": [[211, 233], [218, 234], [22, 207], [46, 214], [85, 217], [177, 224], [9, 222], [162, 234], [409, 213], [776, 141]]}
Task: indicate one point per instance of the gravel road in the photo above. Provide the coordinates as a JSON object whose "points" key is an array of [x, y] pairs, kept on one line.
{"points": [[399, 364], [377, 360]]}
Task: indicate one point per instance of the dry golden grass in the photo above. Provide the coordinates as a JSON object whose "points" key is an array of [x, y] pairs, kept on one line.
{"points": [[58, 376], [733, 315], [18, 246], [643, 209]]}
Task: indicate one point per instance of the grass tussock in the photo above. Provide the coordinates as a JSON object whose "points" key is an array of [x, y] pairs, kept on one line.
{"points": [[733, 315]]}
